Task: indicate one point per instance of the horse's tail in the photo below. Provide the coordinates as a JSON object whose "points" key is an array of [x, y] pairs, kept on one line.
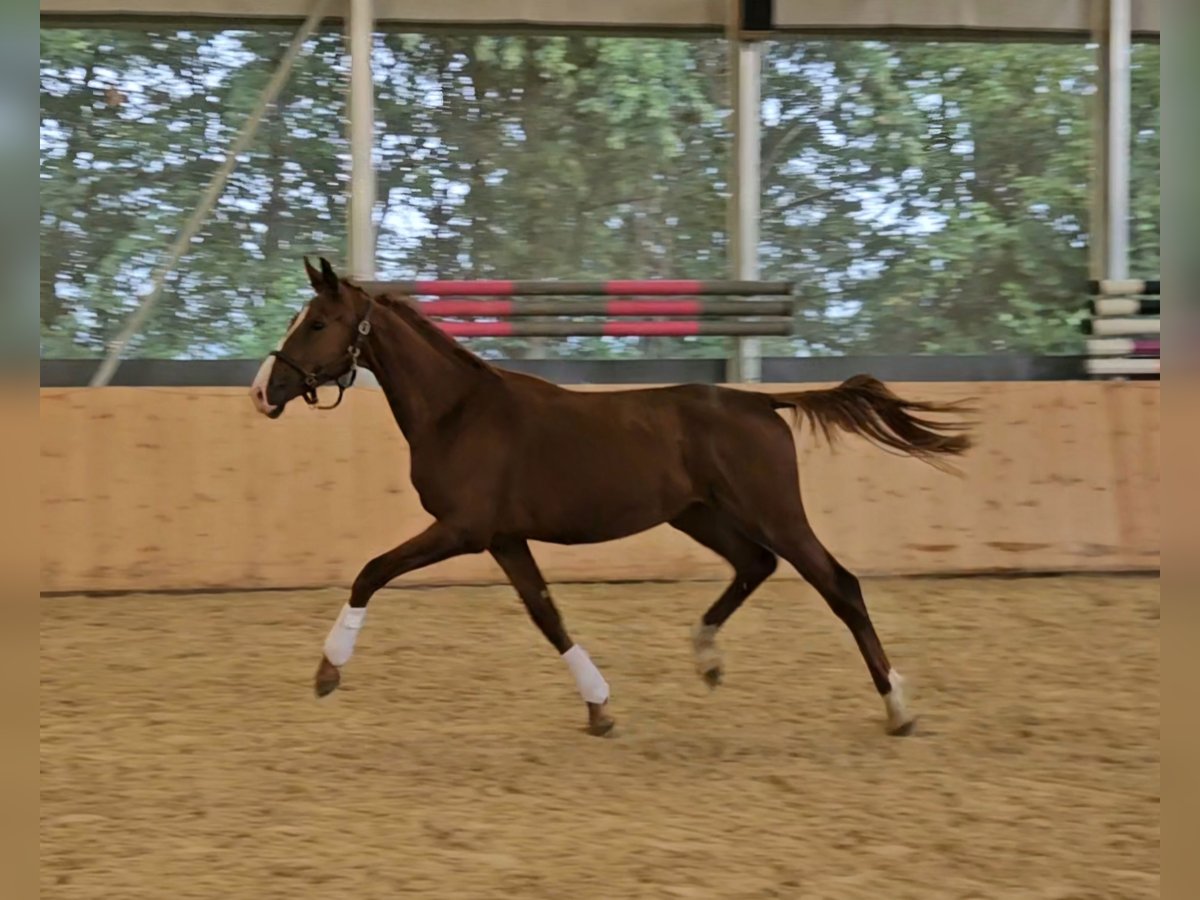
{"points": [[865, 406]]}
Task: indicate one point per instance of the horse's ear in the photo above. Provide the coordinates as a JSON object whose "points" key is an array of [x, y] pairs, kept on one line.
{"points": [[329, 277], [314, 275]]}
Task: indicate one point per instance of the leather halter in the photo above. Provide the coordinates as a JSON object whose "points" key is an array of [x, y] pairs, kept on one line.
{"points": [[315, 378]]}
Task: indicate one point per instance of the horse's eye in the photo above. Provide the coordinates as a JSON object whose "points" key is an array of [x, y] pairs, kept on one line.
{"points": [[317, 325]]}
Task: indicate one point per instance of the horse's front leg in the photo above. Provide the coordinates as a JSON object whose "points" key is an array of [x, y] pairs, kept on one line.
{"points": [[436, 543], [518, 564]]}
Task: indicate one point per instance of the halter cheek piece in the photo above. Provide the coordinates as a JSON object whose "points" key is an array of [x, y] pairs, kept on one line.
{"points": [[314, 379]]}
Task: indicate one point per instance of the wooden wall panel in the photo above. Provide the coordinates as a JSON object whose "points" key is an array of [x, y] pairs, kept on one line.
{"points": [[181, 488]]}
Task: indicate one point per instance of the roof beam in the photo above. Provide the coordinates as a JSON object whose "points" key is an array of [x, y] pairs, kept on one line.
{"points": [[954, 18]]}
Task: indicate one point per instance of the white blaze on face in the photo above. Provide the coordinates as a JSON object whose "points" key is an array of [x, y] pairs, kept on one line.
{"points": [[258, 388]]}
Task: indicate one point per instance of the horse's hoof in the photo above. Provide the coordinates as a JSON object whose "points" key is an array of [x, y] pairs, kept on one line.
{"points": [[602, 728], [327, 679], [708, 658], [600, 723], [903, 730]]}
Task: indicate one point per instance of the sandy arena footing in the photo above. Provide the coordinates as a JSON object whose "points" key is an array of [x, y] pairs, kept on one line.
{"points": [[184, 755]]}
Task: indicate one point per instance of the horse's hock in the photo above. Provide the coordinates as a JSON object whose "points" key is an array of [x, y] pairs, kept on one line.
{"points": [[186, 488]]}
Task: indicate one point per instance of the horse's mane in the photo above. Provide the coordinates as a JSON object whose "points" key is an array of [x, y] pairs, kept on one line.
{"points": [[434, 336]]}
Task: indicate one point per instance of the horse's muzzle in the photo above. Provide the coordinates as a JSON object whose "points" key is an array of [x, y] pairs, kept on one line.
{"points": [[258, 394]]}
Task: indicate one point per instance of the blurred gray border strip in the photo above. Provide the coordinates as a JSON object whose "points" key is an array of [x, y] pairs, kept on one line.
{"points": [[778, 370]]}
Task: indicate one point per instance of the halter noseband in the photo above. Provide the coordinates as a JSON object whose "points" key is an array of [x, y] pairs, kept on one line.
{"points": [[314, 379]]}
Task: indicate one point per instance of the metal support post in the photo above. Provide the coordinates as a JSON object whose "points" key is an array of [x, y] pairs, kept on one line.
{"points": [[1098, 184], [361, 29], [1120, 37], [746, 68]]}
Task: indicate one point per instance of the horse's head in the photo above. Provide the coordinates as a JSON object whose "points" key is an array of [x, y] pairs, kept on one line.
{"points": [[321, 345]]}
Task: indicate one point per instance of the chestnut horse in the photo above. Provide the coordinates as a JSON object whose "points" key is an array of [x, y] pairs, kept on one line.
{"points": [[500, 459]]}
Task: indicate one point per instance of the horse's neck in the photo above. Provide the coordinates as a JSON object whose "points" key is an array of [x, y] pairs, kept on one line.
{"points": [[422, 382]]}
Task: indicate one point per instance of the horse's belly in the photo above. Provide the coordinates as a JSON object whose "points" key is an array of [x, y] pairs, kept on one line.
{"points": [[583, 510], [591, 530]]}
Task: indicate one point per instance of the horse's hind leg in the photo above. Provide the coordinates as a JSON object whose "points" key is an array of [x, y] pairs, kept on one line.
{"points": [[763, 498], [843, 593], [752, 565], [519, 565]]}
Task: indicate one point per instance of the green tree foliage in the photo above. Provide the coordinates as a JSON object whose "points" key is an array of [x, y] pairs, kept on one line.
{"points": [[553, 157], [927, 197], [939, 193], [133, 126]]}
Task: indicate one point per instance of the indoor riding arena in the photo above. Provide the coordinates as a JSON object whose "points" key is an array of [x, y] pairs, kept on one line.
{"points": [[749, 194]]}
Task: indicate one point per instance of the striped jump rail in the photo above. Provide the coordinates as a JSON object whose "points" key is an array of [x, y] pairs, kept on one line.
{"points": [[688, 302], [668, 287], [725, 328], [1124, 328], [1123, 347], [505, 309], [1109, 287], [1123, 306]]}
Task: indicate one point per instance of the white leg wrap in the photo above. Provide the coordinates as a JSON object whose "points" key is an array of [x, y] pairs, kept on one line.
{"points": [[897, 710], [339, 645], [592, 686]]}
